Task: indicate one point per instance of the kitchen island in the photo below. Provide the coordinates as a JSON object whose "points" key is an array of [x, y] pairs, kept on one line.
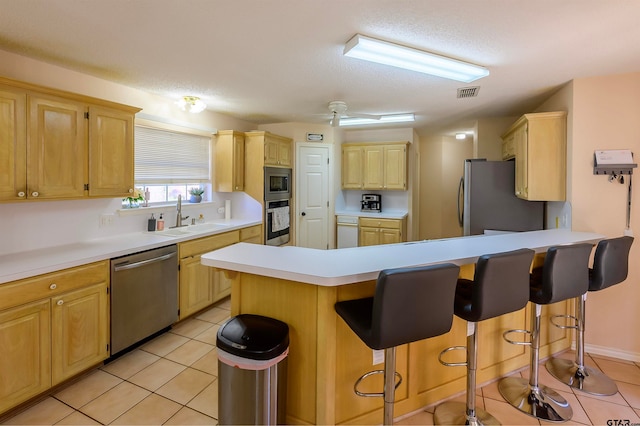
{"points": [[300, 287]]}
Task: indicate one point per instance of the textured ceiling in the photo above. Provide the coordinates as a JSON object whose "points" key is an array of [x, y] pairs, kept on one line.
{"points": [[270, 61]]}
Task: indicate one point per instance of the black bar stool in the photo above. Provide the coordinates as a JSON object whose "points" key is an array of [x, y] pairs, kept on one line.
{"points": [[564, 275], [500, 285], [610, 267], [409, 304]]}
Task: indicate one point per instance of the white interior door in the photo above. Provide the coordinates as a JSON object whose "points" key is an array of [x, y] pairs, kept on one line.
{"points": [[312, 195]]}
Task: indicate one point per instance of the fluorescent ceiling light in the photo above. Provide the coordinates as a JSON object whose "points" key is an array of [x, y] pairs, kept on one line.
{"points": [[383, 52], [384, 119]]}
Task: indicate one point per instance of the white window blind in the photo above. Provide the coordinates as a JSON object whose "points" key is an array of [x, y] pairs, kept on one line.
{"points": [[163, 156]]}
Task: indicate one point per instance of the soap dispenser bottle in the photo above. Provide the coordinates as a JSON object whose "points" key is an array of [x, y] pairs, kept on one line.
{"points": [[160, 223], [151, 225]]}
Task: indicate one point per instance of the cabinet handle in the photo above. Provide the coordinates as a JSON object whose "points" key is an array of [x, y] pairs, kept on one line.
{"points": [[21, 194], [35, 194], [60, 302], [53, 286], [130, 190]]}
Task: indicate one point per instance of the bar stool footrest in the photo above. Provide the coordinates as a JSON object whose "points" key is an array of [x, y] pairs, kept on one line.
{"points": [[515, 342], [564, 326], [542, 402], [373, 394], [452, 364], [583, 378]]}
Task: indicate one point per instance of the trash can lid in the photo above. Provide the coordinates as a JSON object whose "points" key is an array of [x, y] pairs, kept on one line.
{"points": [[253, 336]]}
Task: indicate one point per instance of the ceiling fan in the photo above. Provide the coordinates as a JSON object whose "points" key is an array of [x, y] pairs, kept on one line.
{"points": [[339, 110]]}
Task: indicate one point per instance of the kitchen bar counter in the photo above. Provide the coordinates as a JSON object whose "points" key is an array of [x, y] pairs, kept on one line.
{"points": [[300, 286], [20, 265], [384, 214]]}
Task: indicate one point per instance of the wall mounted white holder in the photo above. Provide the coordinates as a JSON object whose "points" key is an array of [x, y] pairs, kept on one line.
{"points": [[613, 162]]}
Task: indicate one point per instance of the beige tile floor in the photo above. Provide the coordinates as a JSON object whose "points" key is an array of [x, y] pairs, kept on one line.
{"points": [[172, 380]]}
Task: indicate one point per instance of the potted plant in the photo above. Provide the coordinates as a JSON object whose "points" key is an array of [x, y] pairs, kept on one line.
{"points": [[134, 199], [196, 194]]}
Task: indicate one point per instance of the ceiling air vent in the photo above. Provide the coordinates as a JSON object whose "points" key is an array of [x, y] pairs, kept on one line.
{"points": [[468, 92]]}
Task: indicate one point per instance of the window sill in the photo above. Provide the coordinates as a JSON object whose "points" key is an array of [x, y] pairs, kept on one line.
{"points": [[161, 208]]}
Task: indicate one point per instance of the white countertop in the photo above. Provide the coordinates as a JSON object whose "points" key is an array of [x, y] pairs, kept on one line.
{"points": [[351, 265], [20, 265]]}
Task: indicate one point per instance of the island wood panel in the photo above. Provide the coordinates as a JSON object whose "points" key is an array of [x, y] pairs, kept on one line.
{"points": [[326, 357], [295, 304]]}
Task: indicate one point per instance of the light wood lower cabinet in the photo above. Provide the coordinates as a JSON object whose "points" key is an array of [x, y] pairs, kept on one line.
{"points": [[373, 231], [201, 286], [52, 327]]}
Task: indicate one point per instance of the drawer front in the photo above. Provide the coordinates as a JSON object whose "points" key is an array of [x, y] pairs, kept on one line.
{"points": [[43, 286], [206, 244], [247, 233], [381, 223]]}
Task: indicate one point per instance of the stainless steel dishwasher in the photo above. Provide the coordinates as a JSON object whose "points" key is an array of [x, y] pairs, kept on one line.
{"points": [[144, 295]]}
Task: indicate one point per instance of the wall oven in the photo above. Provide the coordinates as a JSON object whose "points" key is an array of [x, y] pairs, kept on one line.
{"points": [[277, 198]]}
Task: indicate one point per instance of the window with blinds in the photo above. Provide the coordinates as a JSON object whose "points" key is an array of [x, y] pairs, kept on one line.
{"points": [[169, 162], [164, 156]]}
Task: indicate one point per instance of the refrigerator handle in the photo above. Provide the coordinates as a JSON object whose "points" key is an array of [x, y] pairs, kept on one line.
{"points": [[461, 201]]}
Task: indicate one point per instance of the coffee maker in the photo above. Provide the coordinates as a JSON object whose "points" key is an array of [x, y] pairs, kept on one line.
{"points": [[371, 203]]}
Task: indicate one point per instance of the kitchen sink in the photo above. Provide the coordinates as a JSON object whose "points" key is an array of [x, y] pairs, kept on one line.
{"points": [[193, 229]]}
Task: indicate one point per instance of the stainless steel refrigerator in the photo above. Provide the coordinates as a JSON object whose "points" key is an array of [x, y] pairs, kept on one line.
{"points": [[487, 201]]}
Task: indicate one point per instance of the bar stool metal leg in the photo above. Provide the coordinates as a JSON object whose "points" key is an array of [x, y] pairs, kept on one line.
{"points": [[529, 397], [576, 374], [457, 413]]}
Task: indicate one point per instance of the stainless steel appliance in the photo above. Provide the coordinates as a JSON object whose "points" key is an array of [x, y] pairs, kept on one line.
{"points": [[371, 203], [347, 231], [277, 183], [277, 197], [487, 201], [144, 295], [277, 222]]}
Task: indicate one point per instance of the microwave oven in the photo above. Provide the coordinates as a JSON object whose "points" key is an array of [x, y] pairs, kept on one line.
{"points": [[277, 183]]}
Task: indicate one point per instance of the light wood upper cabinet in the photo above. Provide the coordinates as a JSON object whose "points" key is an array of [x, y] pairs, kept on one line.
{"points": [[277, 151], [60, 145], [229, 161], [381, 166], [56, 148], [110, 152], [13, 143], [538, 143]]}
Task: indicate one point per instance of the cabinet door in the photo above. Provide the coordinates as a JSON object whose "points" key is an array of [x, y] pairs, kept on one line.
{"points": [[56, 148], [25, 348], [352, 167], [110, 152], [368, 236], [79, 331], [270, 152], [221, 285], [196, 286], [373, 168], [522, 164], [395, 167], [229, 162], [13, 147], [284, 154], [390, 236]]}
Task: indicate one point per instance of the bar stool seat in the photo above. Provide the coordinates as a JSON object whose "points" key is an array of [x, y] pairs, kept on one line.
{"points": [[409, 304], [500, 286], [610, 267], [564, 275]]}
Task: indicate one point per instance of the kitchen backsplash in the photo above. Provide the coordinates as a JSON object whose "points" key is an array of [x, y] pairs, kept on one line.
{"points": [[35, 225]]}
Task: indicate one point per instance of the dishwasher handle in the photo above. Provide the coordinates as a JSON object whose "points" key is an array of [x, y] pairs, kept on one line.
{"points": [[125, 266]]}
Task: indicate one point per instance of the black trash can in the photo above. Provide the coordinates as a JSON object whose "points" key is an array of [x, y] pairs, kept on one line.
{"points": [[252, 371]]}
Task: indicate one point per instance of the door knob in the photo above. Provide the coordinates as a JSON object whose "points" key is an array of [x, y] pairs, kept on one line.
{"points": [[303, 214]]}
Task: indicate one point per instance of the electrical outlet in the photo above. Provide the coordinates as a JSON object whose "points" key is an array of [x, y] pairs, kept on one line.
{"points": [[106, 219], [220, 210]]}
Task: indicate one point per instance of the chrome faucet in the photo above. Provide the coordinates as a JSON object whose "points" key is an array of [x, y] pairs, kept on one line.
{"points": [[179, 217]]}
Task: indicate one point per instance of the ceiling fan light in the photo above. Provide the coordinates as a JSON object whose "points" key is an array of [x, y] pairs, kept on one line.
{"points": [[395, 55], [384, 119]]}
